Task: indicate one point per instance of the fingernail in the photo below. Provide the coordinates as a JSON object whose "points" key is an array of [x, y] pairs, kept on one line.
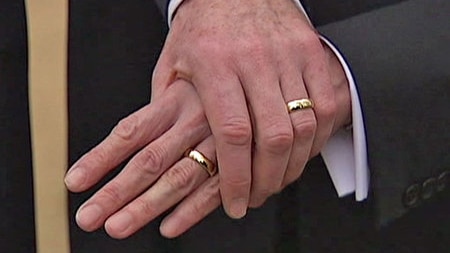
{"points": [[120, 222], [238, 208], [88, 216], [75, 178]]}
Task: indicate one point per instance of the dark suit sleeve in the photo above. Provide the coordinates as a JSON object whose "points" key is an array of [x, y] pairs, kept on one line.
{"points": [[324, 12], [399, 58], [162, 5], [321, 12]]}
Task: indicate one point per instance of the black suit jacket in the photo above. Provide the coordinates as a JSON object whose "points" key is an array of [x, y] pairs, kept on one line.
{"points": [[397, 55], [396, 50]]}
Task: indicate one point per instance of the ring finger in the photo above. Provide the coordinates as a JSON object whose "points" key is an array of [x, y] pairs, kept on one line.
{"points": [[303, 122], [175, 184]]}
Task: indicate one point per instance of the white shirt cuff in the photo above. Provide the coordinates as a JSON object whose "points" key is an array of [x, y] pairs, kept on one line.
{"points": [[345, 154], [173, 6]]}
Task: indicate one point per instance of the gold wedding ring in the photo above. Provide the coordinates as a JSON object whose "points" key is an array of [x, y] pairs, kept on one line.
{"points": [[300, 104], [206, 164]]}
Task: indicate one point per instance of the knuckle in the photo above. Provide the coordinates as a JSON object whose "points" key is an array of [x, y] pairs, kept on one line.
{"points": [[111, 193], [308, 44], [97, 156], [326, 110], [197, 121], [179, 177], [305, 127], [198, 204], [236, 131], [212, 188], [209, 194], [126, 128], [253, 53], [150, 161], [278, 140], [143, 207], [255, 48], [237, 182], [311, 40]]}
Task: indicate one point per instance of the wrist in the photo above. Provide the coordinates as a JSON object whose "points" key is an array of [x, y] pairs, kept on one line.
{"points": [[293, 6], [342, 90]]}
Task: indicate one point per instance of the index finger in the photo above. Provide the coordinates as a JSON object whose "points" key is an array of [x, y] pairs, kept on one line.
{"points": [[128, 136]]}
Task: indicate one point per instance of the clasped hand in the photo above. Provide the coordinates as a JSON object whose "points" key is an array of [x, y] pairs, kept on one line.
{"points": [[221, 85]]}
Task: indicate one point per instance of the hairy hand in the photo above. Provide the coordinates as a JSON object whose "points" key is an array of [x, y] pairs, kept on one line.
{"points": [[157, 177], [206, 198], [247, 59]]}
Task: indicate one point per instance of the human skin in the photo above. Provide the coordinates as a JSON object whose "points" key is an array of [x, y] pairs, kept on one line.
{"points": [[158, 177], [247, 59]]}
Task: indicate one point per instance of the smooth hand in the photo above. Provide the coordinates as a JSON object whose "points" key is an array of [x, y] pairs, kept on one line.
{"points": [[247, 60], [156, 138]]}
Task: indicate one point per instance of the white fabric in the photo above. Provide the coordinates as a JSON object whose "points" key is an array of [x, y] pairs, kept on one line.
{"points": [[345, 154], [346, 160], [173, 6]]}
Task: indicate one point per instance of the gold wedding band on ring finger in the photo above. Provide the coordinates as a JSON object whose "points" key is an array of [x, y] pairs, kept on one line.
{"points": [[201, 159], [299, 104]]}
